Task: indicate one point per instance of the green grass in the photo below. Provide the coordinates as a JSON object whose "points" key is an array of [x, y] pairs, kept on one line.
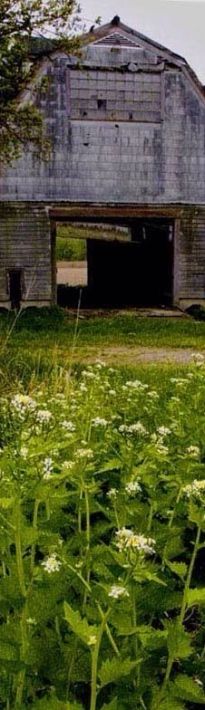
{"points": [[71, 240], [41, 340], [70, 249]]}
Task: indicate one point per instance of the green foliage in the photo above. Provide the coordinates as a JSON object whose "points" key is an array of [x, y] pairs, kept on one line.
{"points": [[80, 627], [102, 504], [188, 689], [70, 249], [178, 641], [114, 670], [20, 121]]}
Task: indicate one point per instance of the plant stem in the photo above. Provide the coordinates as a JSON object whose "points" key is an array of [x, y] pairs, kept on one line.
{"points": [[23, 625], [116, 516], [87, 508], [183, 607], [109, 633], [174, 509], [150, 517], [19, 558], [35, 521], [95, 655], [189, 575]]}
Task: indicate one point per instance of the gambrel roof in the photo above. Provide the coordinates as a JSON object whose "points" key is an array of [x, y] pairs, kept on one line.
{"points": [[117, 34]]}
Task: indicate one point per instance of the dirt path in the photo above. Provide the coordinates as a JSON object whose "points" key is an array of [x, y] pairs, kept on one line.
{"points": [[123, 355]]}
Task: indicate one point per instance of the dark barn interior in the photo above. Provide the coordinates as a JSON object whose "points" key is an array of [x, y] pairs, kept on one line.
{"points": [[136, 271]]}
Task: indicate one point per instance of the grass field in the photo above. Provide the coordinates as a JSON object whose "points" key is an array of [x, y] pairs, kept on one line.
{"points": [[37, 341]]}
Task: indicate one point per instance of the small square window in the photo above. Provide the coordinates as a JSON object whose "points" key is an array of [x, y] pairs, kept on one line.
{"points": [[102, 104]]}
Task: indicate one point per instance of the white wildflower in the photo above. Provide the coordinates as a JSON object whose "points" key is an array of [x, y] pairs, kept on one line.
{"points": [[43, 416], [153, 394], [98, 421], [89, 374], [51, 564], [112, 493], [68, 426], [84, 454], [117, 592], [164, 431], [137, 428], [99, 364], [134, 384], [23, 404], [194, 489], [112, 393], [24, 452], [127, 540], [193, 452], [132, 488], [83, 388], [47, 468]]}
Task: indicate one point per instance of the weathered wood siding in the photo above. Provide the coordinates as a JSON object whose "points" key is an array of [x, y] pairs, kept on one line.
{"points": [[128, 127], [25, 244]]}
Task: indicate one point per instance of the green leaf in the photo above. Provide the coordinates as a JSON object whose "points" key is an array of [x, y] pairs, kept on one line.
{"points": [[196, 515], [178, 568], [111, 706], [112, 671], [8, 652], [52, 703], [178, 641], [111, 465], [145, 575], [6, 503], [86, 632], [187, 689], [151, 638], [167, 704], [196, 596]]}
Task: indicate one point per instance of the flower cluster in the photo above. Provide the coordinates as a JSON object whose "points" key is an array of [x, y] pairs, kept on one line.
{"points": [[99, 422], [118, 592], [132, 488], [137, 428], [128, 540], [194, 489], [51, 564]]}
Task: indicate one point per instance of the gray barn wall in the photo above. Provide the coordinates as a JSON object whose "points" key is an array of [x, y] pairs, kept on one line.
{"points": [[157, 157], [25, 243]]}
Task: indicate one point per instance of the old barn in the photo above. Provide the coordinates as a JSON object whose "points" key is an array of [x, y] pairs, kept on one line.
{"points": [[126, 122]]}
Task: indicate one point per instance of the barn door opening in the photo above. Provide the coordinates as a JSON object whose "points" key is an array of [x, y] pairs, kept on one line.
{"points": [[154, 240], [15, 287]]}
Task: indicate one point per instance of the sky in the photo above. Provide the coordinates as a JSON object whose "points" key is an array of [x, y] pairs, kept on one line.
{"points": [[177, 24]]}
